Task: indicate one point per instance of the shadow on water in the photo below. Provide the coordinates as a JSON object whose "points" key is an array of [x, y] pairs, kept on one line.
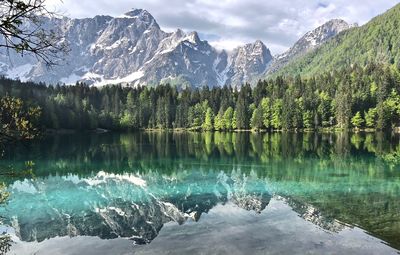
{"points": [[129, 185]]}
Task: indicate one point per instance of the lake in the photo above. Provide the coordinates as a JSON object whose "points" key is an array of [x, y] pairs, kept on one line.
{"points": [[205, 193]]}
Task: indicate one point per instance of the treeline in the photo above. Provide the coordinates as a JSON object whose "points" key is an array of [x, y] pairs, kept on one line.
{"points": [[361, 97], [136, 152]]}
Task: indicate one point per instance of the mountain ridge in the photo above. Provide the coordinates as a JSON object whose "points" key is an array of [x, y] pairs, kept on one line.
{"points": [[375, 42], [310, 41], [132, 49]]}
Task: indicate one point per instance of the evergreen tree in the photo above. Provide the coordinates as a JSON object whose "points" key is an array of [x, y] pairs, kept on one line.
{"points": [[229, 119], [266, 110], [241, 114], [357, 121], [208, 124], [276, 121], [257, 119], [307, 119], [370, 118], [343, 104], [219, 123]]}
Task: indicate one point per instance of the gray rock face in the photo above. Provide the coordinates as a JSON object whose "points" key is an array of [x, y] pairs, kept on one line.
{"points": [[309, 41], [113, 206], [183, 59], [132, 49], [247, 63]]}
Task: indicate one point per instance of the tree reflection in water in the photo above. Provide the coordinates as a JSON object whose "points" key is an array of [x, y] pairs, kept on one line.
{"points": [[129, 185]]}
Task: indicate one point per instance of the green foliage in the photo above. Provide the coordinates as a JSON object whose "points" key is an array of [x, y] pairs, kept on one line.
{"points": [[327, 100], [219, 123], [229, 119], [266, 111], [357, 121], [308, 119], [209, 119], [234, 120], [17, 120], [375, 42], [5, 244], [241, 114], [276, 120], [256, 122], [370, 118], [343, 104]]}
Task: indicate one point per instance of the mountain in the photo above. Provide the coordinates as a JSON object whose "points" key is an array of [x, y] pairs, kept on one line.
{"points": [[375, 42], [132, 49], [182, 59], [101, 48], [310, 41], [247, 63], [148, 203]]}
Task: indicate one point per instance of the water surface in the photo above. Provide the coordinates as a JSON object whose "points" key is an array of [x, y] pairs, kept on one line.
{"points": [[202, 193]]}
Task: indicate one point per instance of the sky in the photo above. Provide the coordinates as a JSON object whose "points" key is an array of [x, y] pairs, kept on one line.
{"points": [[226, 24]]}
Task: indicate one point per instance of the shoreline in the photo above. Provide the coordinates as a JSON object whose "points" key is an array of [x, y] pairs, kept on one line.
{"points": [[195, 130]]}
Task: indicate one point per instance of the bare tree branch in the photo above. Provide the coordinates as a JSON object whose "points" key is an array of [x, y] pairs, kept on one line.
{"points": [[24, 27]]}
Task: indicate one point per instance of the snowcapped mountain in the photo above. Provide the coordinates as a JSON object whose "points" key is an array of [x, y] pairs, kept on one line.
{"points": [[247, 63], [310, 41], [133, 50], [183, 59]]}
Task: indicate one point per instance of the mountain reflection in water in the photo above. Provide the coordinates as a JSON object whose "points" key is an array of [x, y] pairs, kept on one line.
{"points": [[131, 185]]}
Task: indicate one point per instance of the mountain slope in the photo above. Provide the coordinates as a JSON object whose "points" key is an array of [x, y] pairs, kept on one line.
{"points": [[311, 40], [378, 41], [248, 62], [132, 49]]}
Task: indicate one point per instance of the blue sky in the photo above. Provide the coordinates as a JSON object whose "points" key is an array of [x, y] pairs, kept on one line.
{"points": [[230, 23]]}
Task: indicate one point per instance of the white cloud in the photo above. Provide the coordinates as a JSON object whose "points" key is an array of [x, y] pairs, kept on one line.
{"points": [[232, 22], [226, 44]]}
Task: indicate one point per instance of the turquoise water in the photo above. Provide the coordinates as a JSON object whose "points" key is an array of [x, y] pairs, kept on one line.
{"points": [[225, 193]]}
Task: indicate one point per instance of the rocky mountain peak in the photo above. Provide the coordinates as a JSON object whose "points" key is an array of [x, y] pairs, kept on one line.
{"points": [[132, 49], [248, 63], [179, 33], [141, 16], [259, 43], [139, 13], [193, 37], [310, 41], [325, 31]]}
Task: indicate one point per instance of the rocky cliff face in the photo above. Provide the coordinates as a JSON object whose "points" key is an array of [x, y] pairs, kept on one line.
{"points": [[133, 50], [123, 205], [248, 62]]}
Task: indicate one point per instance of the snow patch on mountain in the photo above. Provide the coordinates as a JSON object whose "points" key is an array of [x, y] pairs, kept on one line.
{"points": [[20, 72], [133, 50], [308, 42]]}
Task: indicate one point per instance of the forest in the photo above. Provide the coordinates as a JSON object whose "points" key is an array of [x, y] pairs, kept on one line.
{"points": [[357, 97], [377, 41]]}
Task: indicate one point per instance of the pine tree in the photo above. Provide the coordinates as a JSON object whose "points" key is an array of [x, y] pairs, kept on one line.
{"points": [[228, 119], [208, 124], [219, 123], [257, 119], [343, 104], [370, 118], [266, 110], [276, 121], [357, 121], [241, 114]]}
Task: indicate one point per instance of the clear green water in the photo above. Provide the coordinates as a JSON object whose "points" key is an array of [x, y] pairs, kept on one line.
{"points": [[228, 193]]}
